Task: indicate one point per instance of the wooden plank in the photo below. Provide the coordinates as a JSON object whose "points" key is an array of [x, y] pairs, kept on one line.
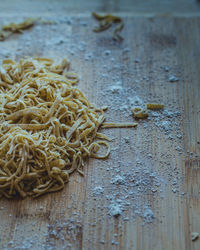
{"points": [[136, 7], [162, 166], [188, 50]]}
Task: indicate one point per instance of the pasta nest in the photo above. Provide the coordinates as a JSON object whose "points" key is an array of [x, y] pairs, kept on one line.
{"points": [[48, 128]]}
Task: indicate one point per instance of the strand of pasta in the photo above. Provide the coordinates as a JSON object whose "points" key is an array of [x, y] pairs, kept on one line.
{"points": [[118, 125]]}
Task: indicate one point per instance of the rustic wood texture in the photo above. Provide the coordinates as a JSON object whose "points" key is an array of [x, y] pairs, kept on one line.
{"points": [[45, 223], [137, 7]]}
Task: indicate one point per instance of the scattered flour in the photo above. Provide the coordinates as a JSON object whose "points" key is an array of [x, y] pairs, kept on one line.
{"points": [[116, 87], [106, 53], [98, 190], [148, 215], [118, 180], [115, 210], [88, 56], [173, 78]]}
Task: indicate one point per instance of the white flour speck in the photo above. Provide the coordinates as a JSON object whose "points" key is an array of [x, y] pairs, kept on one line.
{"points": [[173, 78]]}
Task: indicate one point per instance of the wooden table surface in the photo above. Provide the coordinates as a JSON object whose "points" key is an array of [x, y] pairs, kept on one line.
{"points": [[161, 39]]}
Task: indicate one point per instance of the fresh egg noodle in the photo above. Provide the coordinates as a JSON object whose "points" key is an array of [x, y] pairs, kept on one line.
{"points": [[48, 128]]}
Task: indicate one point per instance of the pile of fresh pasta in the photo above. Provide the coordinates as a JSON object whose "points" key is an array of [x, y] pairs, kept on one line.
{"points": [[47, 127]]}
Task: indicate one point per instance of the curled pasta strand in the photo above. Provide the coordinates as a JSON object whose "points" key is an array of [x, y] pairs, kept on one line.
{"points": [[95, 146]]}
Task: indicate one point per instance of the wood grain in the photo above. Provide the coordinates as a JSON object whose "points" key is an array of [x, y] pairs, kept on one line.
{"points": [[135, 7], [74, 218]]}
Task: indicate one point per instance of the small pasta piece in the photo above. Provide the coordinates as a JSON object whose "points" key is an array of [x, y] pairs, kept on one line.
{"points": [[106, 21], [139, 113], [155, 106]]}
